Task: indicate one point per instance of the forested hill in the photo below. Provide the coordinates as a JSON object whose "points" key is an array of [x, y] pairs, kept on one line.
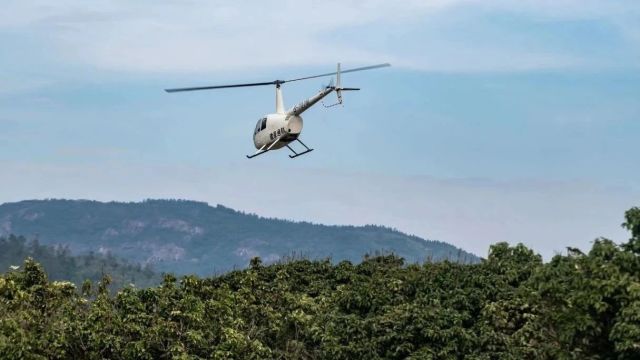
{"points": [[62, 265], [193, 237]]}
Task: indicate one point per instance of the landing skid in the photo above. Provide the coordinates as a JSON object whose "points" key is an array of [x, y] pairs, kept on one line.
{"points": [[301, 153], [262, 150], [259, 152]]}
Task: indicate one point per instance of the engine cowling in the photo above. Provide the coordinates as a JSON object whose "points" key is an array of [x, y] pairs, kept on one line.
{"points": [[294, 125]]}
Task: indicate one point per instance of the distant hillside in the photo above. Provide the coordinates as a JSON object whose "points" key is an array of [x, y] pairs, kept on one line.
{"points": [[193, 237], [61, 265]]}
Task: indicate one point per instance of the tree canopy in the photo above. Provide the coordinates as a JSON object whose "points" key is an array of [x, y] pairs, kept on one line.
{"points": [[510, 306]]}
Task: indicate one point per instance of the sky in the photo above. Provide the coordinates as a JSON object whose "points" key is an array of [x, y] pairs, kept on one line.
{"points": [[498, 121]]}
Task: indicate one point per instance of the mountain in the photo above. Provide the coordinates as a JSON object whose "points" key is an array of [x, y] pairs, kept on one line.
{"points": [[192, 237]]}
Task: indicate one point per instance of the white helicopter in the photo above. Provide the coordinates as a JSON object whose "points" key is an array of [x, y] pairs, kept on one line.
{"points": [[277, 130]]}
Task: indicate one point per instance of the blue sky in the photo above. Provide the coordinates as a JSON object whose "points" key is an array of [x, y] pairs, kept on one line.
{"points": [[499, 120]]}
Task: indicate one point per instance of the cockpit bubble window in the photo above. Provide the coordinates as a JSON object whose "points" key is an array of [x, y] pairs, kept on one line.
{"points": [[261, 125]]}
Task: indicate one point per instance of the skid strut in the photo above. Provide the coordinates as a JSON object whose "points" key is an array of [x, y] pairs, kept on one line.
{"points": [[262, 151], [301, 153]]}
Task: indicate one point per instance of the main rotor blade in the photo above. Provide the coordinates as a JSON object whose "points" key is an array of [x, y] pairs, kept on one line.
{"points": [[275, 82], [370, 67], [220, 86]]}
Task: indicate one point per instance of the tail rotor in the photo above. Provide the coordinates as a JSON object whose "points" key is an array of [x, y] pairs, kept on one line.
{"points": [[338, 88]]}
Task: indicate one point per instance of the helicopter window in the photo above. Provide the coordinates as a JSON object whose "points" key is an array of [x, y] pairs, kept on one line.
{"points": [[264, 124]]}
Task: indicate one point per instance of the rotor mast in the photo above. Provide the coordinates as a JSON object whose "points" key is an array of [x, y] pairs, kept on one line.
{"points": [[279, 101]]}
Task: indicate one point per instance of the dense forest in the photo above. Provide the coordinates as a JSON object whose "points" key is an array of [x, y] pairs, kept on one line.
{"points": [[189, 237], [60, 264], [511, 305]]}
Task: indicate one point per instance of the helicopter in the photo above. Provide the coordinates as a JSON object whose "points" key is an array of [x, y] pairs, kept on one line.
{"points": [[282, 128]]}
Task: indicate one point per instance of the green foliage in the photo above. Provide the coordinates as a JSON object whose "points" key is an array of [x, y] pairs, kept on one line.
{"points": [[510, 306], [632, 224]]}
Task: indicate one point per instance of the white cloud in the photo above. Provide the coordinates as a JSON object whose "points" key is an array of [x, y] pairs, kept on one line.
{"points": [[203, 36]]}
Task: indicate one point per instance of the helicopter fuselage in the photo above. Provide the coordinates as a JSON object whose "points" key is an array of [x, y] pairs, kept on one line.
{"points": [[270, 127]]}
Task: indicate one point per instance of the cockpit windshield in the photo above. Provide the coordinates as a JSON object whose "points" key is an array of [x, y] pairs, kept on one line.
{"points": [[261, 125]]}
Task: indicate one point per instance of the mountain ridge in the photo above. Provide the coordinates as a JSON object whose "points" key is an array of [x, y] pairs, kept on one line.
{"points": [[186, 236]]}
